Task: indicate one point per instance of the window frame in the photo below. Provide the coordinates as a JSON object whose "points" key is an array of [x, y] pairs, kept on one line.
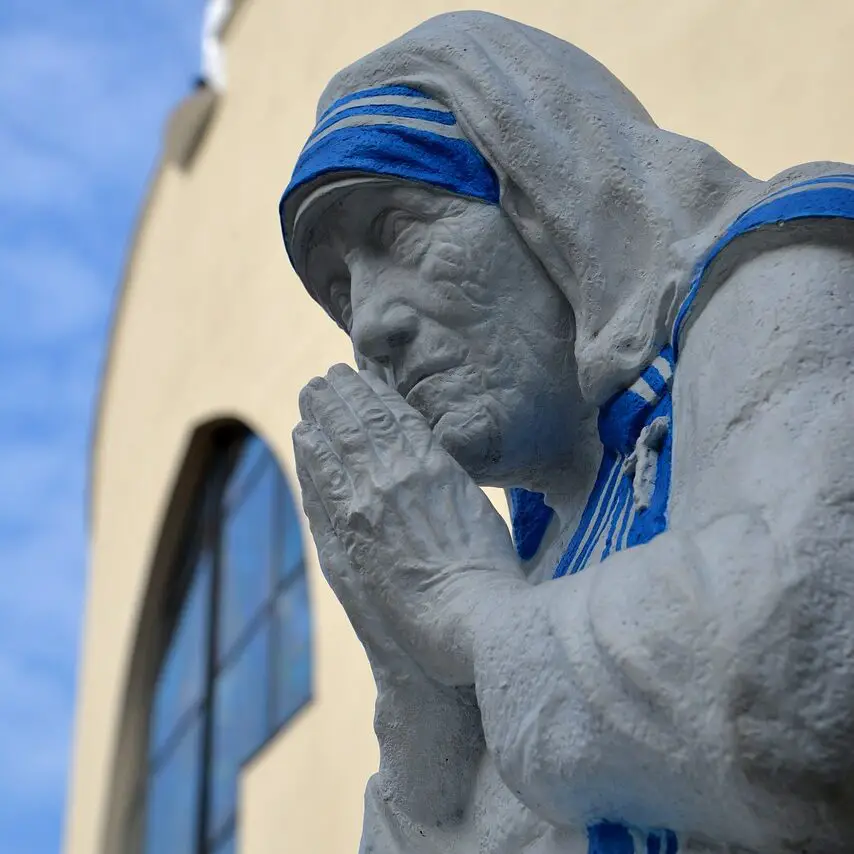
{"points": [[204, 527]]}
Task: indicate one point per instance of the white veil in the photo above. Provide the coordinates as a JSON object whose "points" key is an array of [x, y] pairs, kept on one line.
{"points": [[616, 209]]}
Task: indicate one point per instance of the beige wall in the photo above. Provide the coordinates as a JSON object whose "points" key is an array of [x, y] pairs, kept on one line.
{"points": [[213, 324]]}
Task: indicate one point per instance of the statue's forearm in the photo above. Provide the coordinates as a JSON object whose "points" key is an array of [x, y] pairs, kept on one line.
{"points": [[631, 690], [431, 742], [387, 829]]}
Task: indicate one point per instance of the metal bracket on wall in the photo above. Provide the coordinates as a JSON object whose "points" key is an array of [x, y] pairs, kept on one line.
{"points": [[188, 124]]}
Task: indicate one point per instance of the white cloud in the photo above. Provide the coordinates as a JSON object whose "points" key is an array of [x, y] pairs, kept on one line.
{"points": [[52, 295], [36, 476], [36, 176], [37, 387], [84, 91], [42, 591], [96, 100], [34, 729]]}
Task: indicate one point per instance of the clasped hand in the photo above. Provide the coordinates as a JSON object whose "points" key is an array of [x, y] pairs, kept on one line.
{"points": [[422, 541]]}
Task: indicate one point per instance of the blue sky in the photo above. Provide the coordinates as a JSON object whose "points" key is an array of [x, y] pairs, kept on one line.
{"points": [[84, 90]]}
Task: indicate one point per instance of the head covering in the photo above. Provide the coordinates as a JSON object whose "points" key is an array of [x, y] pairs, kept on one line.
{"points": [[616, 209], [396, 132]]}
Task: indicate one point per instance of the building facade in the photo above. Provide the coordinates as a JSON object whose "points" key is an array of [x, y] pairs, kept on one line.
{"points": [[224, 703]]}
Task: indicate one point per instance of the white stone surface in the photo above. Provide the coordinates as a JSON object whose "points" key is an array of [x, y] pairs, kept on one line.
{"points": [[702, 682]]}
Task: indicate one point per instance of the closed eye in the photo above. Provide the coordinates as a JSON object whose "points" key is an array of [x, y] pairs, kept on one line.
{"points": [[339, 302], [390, 224]]}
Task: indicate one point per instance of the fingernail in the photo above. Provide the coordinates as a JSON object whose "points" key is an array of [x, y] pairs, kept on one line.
{"points": [[299, 432], [340, 370], [316, 385]]}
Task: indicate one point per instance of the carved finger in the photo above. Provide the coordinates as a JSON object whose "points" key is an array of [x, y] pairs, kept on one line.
{"points": [[413, 425], [345, 581], [332, 555], [333, 559], [391, 422], [386, 434], [324, 468], [321, 403], [318, 519]]}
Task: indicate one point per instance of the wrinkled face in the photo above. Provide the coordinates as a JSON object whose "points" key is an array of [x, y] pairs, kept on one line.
{"points": [[444, 302]]}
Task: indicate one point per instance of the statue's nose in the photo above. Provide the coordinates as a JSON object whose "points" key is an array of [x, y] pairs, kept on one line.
{"points": [[382, 331]]}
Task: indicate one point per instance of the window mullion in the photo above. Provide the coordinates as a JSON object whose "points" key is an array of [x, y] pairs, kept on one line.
{"points": [[212, 540]]}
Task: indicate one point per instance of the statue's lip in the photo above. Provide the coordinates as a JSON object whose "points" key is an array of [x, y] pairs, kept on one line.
{"points": [[409, 383]]}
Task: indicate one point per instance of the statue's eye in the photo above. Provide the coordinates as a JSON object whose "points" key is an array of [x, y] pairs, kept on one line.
{"points": [[391, 225], [339, 302]]}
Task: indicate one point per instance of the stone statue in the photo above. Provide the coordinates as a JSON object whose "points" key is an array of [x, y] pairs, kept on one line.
{"points": [[652, 352]]}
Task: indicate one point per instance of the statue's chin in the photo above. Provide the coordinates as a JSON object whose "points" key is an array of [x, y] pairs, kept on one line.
{"points": [[473, 440]]}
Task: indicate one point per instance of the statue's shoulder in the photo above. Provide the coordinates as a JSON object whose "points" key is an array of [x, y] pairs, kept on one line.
{"points": [[806, 172], [800, 204], [809, 203]]}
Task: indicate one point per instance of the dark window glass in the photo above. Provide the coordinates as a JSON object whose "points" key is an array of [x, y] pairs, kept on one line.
{"points": [[238, 661], [181, 684], [292, 634], [247, 551], [228, 845], [252, 455], [173, 797], [240, 723]]}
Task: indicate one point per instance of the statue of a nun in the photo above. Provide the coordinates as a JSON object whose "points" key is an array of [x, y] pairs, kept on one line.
{"points": [[652, 353]]}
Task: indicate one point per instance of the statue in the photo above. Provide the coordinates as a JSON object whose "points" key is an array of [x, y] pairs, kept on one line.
{"points": [[652, 352]]}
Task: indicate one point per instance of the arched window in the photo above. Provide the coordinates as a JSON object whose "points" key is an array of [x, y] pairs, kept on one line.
{"points": [[237, 665]]}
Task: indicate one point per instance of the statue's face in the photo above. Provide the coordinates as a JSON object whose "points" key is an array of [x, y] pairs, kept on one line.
{"points": [[443, 301]]}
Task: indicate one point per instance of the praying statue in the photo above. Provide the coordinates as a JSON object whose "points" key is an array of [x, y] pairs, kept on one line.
{"points": [[651, 352]]}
